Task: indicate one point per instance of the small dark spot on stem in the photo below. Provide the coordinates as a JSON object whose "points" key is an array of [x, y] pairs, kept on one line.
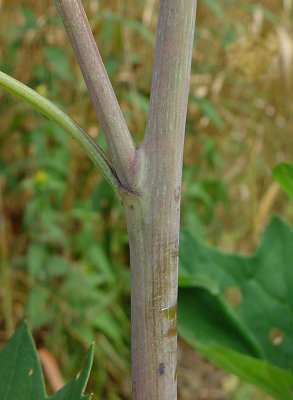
{"points": [[162, 368], [131, 207]]}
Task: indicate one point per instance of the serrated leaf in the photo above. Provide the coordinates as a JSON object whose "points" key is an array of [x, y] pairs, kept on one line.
{"points": [[21, 376], [283, 174], [75, 388], [252, 315]]}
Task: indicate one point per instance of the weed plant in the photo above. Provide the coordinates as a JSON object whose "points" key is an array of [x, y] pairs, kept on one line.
{"points": [[239, 127]]}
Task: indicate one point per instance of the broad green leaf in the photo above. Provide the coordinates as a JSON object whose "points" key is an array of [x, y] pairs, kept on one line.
{"points": [[207, 325], [247, 306], [21, 376], [20, 372], [283, 174], [199, 280], [275, 381], [213, 321]]}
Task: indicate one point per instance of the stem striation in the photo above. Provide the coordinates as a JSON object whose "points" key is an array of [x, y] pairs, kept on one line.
{"points": [[153, 219]]}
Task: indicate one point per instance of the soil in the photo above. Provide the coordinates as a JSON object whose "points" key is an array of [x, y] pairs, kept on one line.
{"points": [[197, 375]]}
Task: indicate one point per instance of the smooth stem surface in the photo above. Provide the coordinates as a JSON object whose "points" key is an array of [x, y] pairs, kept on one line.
{"points": [[53, 112], [117, 135], [153, 218], [153, 255]]}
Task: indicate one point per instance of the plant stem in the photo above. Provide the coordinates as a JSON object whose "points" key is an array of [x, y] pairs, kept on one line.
{"points": [[153, 218], [119, 140], [46, 107]]}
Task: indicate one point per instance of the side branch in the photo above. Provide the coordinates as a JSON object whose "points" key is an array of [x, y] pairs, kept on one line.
{"points": [[118, 137], [53, 112]]}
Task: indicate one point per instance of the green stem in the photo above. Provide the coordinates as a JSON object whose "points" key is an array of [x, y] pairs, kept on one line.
{"points": [[53, 112]]}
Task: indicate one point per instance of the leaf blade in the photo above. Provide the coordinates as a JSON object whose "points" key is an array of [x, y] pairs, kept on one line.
{"points": [[74, 390], [283, 174], [19, 363], [256, 293], [21, 376]]}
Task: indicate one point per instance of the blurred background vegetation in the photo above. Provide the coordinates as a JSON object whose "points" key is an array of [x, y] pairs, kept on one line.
{"points": [[62, 232]]}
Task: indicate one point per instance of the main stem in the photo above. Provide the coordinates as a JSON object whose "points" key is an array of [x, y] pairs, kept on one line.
{"points": [[153, 217]]}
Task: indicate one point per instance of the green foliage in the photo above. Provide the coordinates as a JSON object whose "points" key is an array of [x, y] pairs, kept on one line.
{"points": [[75, 282], [21, 376], [203, 190], [209, 111], [64, 250], [58, 62], [216, 7], [238, 310], [275, 381], [112, 20], [283, 174]]}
